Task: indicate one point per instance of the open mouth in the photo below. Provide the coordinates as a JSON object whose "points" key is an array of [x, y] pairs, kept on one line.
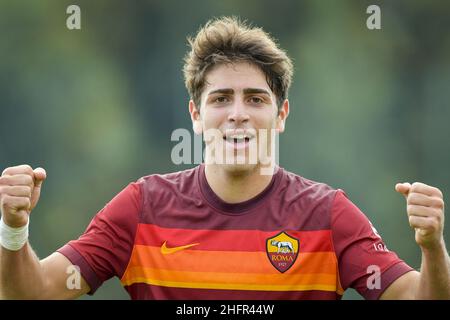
{"points": [[237, 140]]}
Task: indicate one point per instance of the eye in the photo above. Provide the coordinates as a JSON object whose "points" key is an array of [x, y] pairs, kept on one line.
{"points": [[256, 100], [221, 99]]}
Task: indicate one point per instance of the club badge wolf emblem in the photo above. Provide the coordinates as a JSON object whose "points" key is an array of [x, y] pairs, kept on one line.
{"points": [[282, 251]]}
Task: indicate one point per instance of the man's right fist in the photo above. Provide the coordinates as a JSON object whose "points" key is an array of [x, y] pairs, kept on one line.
{"points": [[20, 188]]}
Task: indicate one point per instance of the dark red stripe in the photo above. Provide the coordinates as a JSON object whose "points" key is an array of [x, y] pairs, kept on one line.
{"points": [[142, 291]]}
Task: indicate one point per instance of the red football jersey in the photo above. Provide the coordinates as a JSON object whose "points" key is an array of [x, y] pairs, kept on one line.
{"points": [[171, 237]]}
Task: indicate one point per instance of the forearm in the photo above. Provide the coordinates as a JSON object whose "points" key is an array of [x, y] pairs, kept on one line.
{"points": [[434, 282], [21, 275]]}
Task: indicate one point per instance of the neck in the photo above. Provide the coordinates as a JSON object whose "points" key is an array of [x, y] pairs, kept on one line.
{"points": [[237, 186]]}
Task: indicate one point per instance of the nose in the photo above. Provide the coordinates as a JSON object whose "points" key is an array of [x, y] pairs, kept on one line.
{"points": [[238, 114]]}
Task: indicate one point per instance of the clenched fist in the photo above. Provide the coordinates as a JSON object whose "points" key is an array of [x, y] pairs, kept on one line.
{"points": [[425, 208], [20, 188]]}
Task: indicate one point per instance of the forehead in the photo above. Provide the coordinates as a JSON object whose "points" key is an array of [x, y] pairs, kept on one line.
{"points": [[237, 76]]}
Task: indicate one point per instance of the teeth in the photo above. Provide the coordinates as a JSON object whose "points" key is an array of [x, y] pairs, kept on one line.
{"points": [[237, 136]]}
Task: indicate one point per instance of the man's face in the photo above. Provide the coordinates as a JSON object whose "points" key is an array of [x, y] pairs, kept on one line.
{"points": [[238, 115]]}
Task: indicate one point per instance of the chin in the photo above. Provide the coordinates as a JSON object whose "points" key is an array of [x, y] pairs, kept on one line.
{"points": [[240, 169]]}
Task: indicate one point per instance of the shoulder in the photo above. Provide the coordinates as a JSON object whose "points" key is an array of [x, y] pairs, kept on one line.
{"points": [[168, 186], [176, 179], [296, 185], [331, 201], [307, 201]]}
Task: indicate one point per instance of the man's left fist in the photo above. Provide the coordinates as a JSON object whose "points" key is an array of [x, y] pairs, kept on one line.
{"points": [[425, 208]]}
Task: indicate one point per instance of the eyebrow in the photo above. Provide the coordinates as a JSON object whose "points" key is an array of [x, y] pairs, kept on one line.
{"points": [[246, 91], [256, 90], [222, 91]]}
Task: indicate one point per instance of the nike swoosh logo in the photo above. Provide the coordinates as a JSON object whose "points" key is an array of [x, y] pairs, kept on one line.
{"points": [[166, 250]]}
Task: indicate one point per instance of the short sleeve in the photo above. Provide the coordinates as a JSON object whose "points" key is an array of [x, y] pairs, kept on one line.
{"points": [[103, 251], [365, 263]]}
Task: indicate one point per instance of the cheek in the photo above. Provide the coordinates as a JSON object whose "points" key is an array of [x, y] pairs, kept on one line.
{"points": [[213, 119], [267, 122], [265, 118]]}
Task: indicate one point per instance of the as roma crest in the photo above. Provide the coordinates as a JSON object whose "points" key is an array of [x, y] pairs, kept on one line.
{"points": [[282, 251]]}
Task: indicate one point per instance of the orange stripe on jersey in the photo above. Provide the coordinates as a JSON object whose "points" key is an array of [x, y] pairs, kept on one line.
{"points": [[231, 281], [232, 261], [228, 240]]}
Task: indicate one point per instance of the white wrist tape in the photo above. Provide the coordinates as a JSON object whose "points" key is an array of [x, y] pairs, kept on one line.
{"points": [[13, 238]]}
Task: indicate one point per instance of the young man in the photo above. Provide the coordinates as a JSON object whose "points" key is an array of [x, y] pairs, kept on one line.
{"points": [[236, 229]]}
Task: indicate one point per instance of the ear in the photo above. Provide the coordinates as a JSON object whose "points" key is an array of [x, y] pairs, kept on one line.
{"points": [[195, 117], [283, 113]]}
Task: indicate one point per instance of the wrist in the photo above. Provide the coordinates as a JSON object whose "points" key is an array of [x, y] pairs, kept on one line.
{"points": [[437, 248], [11, 238]]}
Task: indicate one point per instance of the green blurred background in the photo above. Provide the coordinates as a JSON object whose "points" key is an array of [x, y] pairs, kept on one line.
{"points": [[96, 107]]}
